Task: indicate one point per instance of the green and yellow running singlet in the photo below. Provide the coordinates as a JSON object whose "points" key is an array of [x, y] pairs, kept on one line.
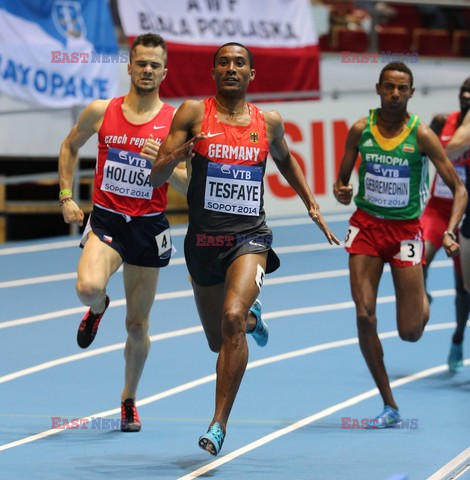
{"points": [[393, 175]]}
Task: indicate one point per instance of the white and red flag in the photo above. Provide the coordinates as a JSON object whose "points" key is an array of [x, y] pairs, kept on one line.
{"points": [[280, 33]]}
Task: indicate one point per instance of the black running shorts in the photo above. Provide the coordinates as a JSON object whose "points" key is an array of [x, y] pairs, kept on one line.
{"points": [[209, 256], [142, 241]]}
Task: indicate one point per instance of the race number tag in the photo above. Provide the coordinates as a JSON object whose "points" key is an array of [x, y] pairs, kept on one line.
{"points": [[350, 235], [411, 251], [233, 188], [163, 242], [259, 276], [387, 185], [127, 174]]}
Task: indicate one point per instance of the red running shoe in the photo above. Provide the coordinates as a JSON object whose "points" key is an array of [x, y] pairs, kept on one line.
{"points": [[89, 326], [130, 421]]}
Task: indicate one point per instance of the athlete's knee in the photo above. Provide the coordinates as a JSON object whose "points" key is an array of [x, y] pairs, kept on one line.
{"points": [[366, 321], [233, 324], [137, 328], [88, 292], [410, 334]]}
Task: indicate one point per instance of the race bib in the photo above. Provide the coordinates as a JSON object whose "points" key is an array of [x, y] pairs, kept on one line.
{"points": [[127, 174], [164, 244], [233, 188], [441, 190], [387, 185], [411, 251], [350, 235]]}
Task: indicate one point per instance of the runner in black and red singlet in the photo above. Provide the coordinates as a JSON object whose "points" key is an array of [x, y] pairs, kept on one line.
{"points": [[228, 244]]}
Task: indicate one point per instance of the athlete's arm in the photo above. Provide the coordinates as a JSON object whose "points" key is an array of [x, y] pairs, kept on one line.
{"points": [[88, 123], [176, 147], [291, 171], [431, 146], [460, 141], [179, 179], [342, 189]]}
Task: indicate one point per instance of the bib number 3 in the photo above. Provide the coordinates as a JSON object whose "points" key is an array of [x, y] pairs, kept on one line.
{"points": [[411, 251], [350, 235]]}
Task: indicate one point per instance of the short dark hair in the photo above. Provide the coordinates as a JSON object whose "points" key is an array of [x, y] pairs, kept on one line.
{"points": [[396, 66], [465, 86], [149, 40], [235, 44]]}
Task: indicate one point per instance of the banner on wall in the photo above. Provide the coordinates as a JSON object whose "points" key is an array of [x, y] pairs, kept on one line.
{"points": [[58, 53], [280, 33]]}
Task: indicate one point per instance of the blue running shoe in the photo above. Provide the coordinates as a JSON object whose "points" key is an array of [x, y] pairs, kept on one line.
{"points": [[260, 333], [213, 440], [455, 360], [387, 419]]}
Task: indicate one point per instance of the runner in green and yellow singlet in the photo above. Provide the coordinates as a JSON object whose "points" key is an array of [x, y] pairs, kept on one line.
{"points": [[393, 181]]}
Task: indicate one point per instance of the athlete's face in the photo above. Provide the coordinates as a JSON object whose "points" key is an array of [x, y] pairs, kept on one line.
{"points": [[232, 72], [464, 99], [394, 90], [147, 68]]}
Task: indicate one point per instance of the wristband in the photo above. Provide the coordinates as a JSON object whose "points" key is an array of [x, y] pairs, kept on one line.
{"points": [[451, 235], [65, 191]]}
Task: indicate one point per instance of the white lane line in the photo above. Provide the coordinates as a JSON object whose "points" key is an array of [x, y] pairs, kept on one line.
{"points": [[312, 418], [189, 331], [180, 261], [176, 232], [462, 460], [174, 261], [92, 353], [210, 378], [185, 293], [77, 310]]}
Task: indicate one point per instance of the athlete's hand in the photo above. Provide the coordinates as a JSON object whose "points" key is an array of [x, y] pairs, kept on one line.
{"points": [[317, 217], [150, 148], [185, 151], [72, 213], [343, 193], [451, 247]]}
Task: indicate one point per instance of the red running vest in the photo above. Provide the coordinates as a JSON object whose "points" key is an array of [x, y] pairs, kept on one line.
{"points": [[121, 174]]}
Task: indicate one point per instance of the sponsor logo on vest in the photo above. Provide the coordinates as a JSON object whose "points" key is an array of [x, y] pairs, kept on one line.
{"points": [[386, 159]]}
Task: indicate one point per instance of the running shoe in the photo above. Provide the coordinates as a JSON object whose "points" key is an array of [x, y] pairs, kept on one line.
{"points": [[387, 419], [260, 333], [455, 360], [429, 297], [89, 326], [130, 421], [213, 440]]}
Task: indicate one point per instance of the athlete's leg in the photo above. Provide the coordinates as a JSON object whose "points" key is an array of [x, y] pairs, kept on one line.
{"points": [[465, 260], [365, 273], [430, 252], [462, 308], [240, 291], [97, 263], [140, 284], [412, 303]]}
